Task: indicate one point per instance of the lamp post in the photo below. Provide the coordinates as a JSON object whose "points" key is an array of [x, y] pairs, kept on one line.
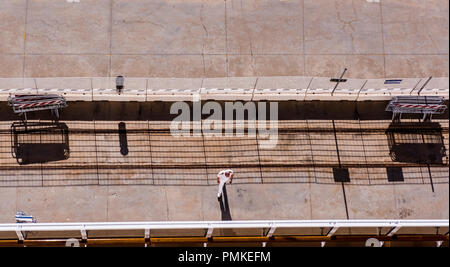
{"points": [[119, 83]]}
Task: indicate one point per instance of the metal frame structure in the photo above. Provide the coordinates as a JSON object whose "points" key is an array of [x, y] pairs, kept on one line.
{"points": [[268, 228], [22, 104], [426, 105]]}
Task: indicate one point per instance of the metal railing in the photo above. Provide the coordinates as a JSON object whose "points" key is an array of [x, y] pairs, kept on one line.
{"points": [[209, 226], [426, 105], [27, 103]]}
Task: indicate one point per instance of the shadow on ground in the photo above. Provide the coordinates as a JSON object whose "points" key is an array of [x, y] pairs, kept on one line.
{"points": [[39, 142], [224, 207], [160, 111], [416, 142]]}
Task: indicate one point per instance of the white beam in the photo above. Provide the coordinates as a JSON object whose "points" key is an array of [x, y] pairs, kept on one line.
{"points": [[332, 231], [209, 232], [20, 235], [271, 231], [83, 233], [146, 235], [393, 231], [96, 226]]}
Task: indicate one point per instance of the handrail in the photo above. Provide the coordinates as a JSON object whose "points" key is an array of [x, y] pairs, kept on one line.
{"points": [[167, 225]]}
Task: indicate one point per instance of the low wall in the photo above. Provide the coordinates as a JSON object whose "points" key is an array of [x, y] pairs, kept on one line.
{"points": [[279, 88]]}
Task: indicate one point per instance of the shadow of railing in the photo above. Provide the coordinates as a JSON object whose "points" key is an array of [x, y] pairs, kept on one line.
{"points": [[416, 142], [160, 111], [306, 153], [224, 206], [39, 142]]}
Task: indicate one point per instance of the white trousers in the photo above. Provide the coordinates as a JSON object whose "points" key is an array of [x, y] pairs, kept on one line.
{"points": [[222, 182]]}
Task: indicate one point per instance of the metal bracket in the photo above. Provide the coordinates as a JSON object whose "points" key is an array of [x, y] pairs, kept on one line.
{"points": [[209, 232], [332, 231], [83, 233], [393, 231], [20, 235], [271, 231], [147, 236]]}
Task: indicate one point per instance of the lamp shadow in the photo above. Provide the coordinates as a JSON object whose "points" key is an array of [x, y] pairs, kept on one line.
{"points": [[123, 139], [224, 207]]}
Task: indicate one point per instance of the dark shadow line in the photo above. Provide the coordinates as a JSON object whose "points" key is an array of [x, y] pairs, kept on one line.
{"points": [[431, 178], [345, 201], [224, 206], [123, 142], [336, 142]]}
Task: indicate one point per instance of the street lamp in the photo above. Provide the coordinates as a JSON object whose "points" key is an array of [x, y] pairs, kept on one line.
{"points": [[119, 83]]}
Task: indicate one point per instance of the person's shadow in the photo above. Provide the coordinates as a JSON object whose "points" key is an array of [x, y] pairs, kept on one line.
{"points": [[224, 208]]}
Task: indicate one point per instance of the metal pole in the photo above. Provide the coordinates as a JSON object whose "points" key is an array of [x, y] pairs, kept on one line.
{"points": [[337, 83], [423, 86], [414, 88], [361, 89], [254, 88]]}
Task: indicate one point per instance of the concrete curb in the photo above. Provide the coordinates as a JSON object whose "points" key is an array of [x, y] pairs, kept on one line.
{"points": [[276, 88]]}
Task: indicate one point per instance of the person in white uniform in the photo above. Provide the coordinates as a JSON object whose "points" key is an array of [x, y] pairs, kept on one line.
{"points": [[222, 178]]}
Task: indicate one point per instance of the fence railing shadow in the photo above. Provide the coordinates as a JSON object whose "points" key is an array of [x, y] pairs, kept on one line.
{"points": [[306, 153], [39, 142], [416, 142]]}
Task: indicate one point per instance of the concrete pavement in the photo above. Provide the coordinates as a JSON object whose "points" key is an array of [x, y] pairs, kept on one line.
{"points": [[216, 38]]}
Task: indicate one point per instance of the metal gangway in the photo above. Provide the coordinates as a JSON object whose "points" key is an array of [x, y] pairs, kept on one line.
{"points": [[22, 104], [426, 105]]}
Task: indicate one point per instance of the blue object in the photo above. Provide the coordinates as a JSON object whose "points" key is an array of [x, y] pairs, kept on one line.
{"points": [[392, 81], [21, 217]]}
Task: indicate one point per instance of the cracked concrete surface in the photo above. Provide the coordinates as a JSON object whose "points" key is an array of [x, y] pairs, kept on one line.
{"points": [[217, 38]]}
